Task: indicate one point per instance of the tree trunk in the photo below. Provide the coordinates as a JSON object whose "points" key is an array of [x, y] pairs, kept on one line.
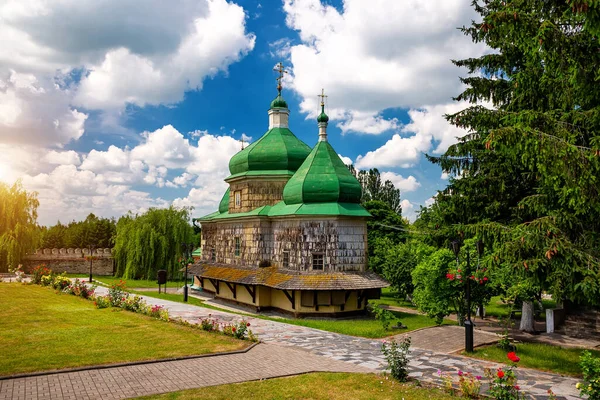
{"points": [[527, 324]]}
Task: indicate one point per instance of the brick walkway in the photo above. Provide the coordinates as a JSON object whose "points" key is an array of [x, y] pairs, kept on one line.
{"points": [[261, 362], [321, 346]]}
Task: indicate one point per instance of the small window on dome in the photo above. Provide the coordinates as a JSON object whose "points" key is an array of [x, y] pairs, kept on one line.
{"points": [[238, 199], [318, 261]]}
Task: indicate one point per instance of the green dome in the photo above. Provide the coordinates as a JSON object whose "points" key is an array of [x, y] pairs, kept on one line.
{"points": [[279, 102], [322, 178], [322, 117], [277, 150], [224, 204]]}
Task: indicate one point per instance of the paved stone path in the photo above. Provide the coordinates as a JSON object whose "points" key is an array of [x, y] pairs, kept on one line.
{"points": [[360, 352], [261, 362]]}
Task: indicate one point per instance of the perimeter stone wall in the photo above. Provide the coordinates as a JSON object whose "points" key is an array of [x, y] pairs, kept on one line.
{"points": [[256, 193], [72, 261]]}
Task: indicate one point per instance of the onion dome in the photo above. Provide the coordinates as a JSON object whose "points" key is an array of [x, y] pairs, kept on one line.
{"points": [[323, 117], [279, 102], [277, 150], [224, 204], [322, 178]]}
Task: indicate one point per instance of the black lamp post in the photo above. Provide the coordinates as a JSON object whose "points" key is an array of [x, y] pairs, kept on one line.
{"points": [[187, 255], [468, 323], [91, 260]]}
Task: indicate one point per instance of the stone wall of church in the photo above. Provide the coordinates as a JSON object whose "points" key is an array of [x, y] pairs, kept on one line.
{"points": [[220, 238], [255, 193], [343, 243]]}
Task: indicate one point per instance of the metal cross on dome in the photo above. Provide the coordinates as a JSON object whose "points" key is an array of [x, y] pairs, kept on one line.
{"points": [[322, 96], [279, 68]]}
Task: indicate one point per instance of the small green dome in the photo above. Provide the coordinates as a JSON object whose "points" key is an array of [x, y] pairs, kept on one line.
{"points": [[224, 204], [279, 102], [277, 150], [322, 117], [322, 178]]}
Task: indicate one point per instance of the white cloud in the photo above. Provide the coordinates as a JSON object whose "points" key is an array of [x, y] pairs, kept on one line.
{"points": [[430, 201], [408, 210], [62, 157], [345, 160], [444, 176], [397, 152], [165, 146], [37, 112], [409, 184], [376, 55]]}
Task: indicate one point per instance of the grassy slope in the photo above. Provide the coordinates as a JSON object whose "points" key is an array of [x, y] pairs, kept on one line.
{"points": [[42, 330], [137, 283], [539, 356], [364, 327], [335, 386]]}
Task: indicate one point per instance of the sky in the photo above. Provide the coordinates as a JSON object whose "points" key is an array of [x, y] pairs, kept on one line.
{"points": [[110, 106]]}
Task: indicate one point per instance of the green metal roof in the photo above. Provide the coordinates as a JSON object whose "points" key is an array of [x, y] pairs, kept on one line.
{"points": [[260, 211], [224, 204], [322, 178], [278, 149], [264, 173]]}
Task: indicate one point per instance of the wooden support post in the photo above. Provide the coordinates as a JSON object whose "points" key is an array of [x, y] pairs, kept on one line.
{"points": [[201, 279], [316, 302], [233, 288], [215, 283], [346, 297], [251, 291], [291, 298], [360, 299]]}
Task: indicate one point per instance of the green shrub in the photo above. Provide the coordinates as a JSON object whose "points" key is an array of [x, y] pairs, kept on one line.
{"points": [[590, 367], [396, 355]]}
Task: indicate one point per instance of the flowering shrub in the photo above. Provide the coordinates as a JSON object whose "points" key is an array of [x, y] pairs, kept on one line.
{"points": [[38, 272], [47, 280], [503, 382], [157, 311], [102, 301], [448, 382], [396, 355], [470, 385], [79, 288], [209, 324], [590, 366], [117, 293], [134, 304], [60, 282], [18, 271]]}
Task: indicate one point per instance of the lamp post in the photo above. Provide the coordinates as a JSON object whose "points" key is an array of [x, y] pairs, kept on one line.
{"points": [[468, 323], [91, 260], [187, 255]]}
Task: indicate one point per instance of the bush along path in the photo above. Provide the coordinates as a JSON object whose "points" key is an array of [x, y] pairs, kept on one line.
{"points": [[424, 364]]}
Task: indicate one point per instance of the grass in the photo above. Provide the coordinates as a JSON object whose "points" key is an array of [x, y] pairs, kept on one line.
{"points": [[363, 327], [136, 283], [389, 297], [539, 356], [499, 309], [42, 330], [335, 386]]}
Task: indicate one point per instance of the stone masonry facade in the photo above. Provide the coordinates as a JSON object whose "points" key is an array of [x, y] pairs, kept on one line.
{"points": [[72, 261], [341, 241], [255, 193]]}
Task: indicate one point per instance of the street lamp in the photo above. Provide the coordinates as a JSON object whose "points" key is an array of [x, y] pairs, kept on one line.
{"points": [[468, 323], [187, 255], [91, 258]]}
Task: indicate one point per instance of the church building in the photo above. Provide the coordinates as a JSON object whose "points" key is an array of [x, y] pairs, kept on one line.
{"points": [[290, 234]]}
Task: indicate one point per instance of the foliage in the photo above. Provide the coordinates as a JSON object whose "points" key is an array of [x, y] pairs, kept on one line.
{"points": [[373, 188], [398, 261], [101, 301], [384, 316], [151, 241], [79, 288], [530, 162], [38, 272], [469, 384], [386, 228], [93, 231], [590, 367], [441, 290], [238, 331], [209, 324], [18, 232], [396, 355]]}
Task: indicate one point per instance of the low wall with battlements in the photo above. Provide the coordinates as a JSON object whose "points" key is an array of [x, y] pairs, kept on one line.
{"points": [[72, 261]]}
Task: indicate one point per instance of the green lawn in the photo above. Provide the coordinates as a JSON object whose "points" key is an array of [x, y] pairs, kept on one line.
{"points": [[389, 297], [335, 386], [359, 326], [538, 356], [136, 283], [43, 330], [500, 309]]}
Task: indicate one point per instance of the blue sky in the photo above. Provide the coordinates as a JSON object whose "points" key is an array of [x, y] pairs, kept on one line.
{"points": [[137, 105]]}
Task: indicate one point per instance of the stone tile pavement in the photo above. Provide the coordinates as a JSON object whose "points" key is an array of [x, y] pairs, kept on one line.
{"points": [[261, 362], [359, 352]]}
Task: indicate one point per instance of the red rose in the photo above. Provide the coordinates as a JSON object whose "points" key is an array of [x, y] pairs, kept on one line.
{"points": [[233, 329], [500, 374], [512, 356], [450, 276], [248, 324], [517, 387], [485, 278]]}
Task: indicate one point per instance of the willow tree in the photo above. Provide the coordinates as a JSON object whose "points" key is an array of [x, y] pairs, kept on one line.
{"points": [[18, 230], [151, 241], [542, 138]]}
